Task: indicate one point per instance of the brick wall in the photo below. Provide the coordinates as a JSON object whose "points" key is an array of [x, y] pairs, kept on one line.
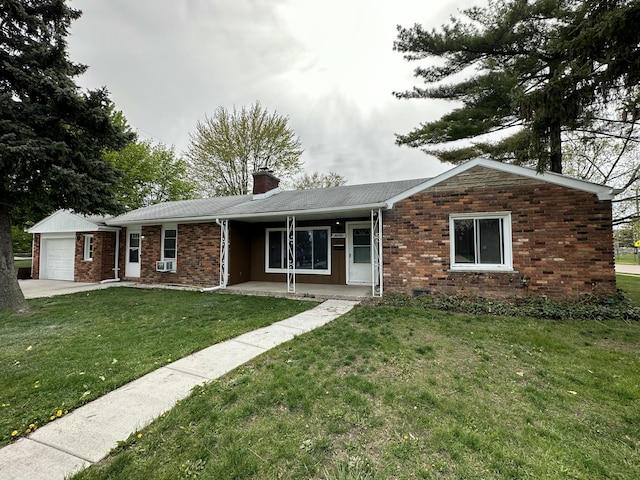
{"points": [[35, 261], [101, 267], [198, 261], [562, 240]]}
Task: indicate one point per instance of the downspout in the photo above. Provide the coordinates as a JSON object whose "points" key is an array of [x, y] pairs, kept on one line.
{"points": [[116, 268]]}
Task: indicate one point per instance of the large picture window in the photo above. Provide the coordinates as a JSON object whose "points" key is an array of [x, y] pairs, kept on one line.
{"points": [[481, 241], [312, 250]]}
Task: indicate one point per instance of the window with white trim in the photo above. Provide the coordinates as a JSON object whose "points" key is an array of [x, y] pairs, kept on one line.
{"points": [[170, 243], [88, 248], [481, 241], [313, 254]]}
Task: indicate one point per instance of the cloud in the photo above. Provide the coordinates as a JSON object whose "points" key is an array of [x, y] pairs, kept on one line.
{"points": [[329, 66]]}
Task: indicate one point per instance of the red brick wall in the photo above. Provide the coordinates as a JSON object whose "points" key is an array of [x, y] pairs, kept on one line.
{"points": [[101, 267], [562, 241], [35, 261], [198, 261]]}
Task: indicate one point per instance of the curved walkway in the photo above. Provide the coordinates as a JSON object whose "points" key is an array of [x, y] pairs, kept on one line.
{"points": [[86, 435]]}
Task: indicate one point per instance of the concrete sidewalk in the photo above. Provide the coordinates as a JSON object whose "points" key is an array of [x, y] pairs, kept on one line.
{"points": [[628, 269], [86, 435]]}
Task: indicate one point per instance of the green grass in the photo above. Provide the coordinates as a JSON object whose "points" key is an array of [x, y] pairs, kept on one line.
{"points": [[70, 349], [627, 259], [630, 285], [22, 264], [408, 393]]}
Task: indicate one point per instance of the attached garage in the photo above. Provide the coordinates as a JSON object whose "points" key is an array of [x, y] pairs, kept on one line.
{"points": [[72, 247], [57, 256]]}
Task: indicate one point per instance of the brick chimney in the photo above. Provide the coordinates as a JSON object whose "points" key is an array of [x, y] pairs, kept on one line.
{"points": [[264, 182]]}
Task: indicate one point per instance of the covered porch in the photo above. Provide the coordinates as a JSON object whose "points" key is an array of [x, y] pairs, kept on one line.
{"points": [[303, 290], [337, 255]]}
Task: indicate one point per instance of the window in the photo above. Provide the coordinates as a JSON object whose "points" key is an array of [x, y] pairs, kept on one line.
{"points": [[481, 241], [134, 247], [312, 250], [169, 243], [88, 247]]}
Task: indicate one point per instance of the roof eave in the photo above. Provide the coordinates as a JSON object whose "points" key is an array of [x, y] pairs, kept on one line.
{"points": [[603, 192], [253, 216]]}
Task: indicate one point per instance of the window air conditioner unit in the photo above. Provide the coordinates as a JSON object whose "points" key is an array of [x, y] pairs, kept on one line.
{"points": [[164, 266]]}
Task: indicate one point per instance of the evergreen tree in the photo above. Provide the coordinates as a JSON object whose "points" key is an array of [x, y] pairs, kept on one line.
{"points": [[539, 67], [51, 133]]}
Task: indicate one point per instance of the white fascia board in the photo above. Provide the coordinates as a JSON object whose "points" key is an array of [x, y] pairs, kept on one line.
{"points": [[252, 216], [602, 191], [64, 221]]}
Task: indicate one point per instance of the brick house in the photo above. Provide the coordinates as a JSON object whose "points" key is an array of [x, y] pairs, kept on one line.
{"points": [[484, 228]]}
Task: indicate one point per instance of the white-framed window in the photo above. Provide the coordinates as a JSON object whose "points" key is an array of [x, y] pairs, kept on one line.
{"points": [[481, 241], [170, 243], [313, 254], [88, 248]]}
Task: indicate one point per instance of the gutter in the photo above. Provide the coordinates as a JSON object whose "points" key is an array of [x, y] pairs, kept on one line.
{"points": [[211, 218]]}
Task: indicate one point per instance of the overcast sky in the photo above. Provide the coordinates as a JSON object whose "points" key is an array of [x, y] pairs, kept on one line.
{"points": [[328, 65]]}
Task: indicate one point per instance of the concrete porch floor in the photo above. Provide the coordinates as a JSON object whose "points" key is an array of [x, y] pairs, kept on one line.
{"points": [[308, 290]]}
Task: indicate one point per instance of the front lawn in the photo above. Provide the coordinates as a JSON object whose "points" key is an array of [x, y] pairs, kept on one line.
{"points": [[71, 349], [627, 259], [409, 393], [630, 285]]}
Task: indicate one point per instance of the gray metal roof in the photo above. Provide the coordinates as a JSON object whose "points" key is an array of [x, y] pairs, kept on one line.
{"points": [[345, 198]]}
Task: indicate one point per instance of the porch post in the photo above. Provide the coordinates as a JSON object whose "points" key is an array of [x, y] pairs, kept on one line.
{"points": [[376, 252], [224, 252], [291, 254]]}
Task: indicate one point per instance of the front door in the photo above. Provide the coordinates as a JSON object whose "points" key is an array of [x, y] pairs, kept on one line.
{"points": [[132, 266], [359, 253]]}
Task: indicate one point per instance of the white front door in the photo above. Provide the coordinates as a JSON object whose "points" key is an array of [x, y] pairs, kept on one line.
{"points": [[359, 253], [132, 265]]}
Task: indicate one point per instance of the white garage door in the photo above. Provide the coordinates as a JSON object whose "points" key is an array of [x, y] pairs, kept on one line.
{"points": [[57, 258]]}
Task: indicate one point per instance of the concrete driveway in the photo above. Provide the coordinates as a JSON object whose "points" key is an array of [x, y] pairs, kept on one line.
{"points": [[49, 288]]}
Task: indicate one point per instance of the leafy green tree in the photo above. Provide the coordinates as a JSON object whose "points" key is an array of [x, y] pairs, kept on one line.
{"points": [[151, 174], [52, 134], [21, 240], [228, 147], [526, 71], [318, 180]]}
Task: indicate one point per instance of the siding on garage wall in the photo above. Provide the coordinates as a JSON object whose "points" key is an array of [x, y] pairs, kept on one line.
{"points": [[562, 239]]}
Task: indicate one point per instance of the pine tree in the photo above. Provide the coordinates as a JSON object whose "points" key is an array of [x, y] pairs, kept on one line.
{"points": [[51, 133], [539, 67]]}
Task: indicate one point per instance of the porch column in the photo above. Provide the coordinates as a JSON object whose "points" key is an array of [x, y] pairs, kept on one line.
{"points": [[291, 254], [224, 252], [376, 253]]}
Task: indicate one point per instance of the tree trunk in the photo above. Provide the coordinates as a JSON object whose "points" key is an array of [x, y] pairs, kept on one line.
{"points": [[555, 154], [11, 297]]}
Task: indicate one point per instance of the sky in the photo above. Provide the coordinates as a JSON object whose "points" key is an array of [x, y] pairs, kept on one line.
{"points": [[329, 66]]}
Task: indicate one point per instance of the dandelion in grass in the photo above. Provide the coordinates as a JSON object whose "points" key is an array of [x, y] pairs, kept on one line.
{"points": [[14, 433]]}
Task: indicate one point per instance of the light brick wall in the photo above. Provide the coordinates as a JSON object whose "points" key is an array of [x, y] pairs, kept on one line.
{"points": [[562, 240]]}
